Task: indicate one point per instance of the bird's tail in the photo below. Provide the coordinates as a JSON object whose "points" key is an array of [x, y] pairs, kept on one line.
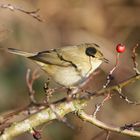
{"points": [[19, 52]]}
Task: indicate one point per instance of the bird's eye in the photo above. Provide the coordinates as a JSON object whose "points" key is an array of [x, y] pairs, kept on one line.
{"points": [[91, 51]]}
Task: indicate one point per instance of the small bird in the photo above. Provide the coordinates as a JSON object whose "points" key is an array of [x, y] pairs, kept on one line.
{"points": [[69, 66]]}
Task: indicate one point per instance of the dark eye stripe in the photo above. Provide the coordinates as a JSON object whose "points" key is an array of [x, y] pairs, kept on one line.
{"points": [[91, 51]]}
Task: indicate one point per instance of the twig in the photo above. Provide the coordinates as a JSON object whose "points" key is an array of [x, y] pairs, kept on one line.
{"points": [[100, 92], [115, 87], [63, 108], [30, 81], [122, 96], [104, 91], [107, 135], [94, 121], [60, 118], [48, 91], [110, 77], [98, 106], [33, 14], [135, 64], [131, 126], [36, 134], [30, 108], [44, 116]]}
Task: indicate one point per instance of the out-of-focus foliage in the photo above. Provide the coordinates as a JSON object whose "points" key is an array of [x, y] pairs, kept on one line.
{"points": [[70, 22]]}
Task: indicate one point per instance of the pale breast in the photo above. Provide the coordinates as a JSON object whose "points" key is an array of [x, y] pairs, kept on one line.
{"points": [[66, 76], [71, 75]]}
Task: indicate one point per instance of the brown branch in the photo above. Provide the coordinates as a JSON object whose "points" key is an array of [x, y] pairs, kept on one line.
{"points": [[30, 81], [122, 96], [62, 108], [44, 116], [115, 87], [134, 55], [104, 91], [110, 77], [34, 14], [131, 126], [98, 106], [89, 118], [107, 135]]}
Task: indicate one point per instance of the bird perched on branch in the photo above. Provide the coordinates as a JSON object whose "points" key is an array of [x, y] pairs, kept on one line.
{"points": [[69, 66]]}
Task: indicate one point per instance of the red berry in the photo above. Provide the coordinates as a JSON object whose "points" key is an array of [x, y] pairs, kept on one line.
{"points": [[120, 48]]}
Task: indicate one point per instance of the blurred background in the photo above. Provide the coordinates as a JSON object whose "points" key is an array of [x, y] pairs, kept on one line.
{"points": [[71, 22]]}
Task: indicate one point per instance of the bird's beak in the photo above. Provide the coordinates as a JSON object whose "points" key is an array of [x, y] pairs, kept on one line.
{"points": [[105, 60]]}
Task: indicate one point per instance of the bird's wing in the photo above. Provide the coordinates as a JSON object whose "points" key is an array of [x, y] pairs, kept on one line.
{"points": [[19, 52], [67, 56], [50, 57]]}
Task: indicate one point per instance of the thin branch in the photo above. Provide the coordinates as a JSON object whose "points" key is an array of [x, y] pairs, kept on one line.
{"points": [[104, 91], [122, 96], [36, 134], [110, 77], [63, 108], [115, 87], [41, 117], [89, 118], [131, 126], [34, 14], [107, 135], [60, 118], [48, 92], [98, 106], [30, 81], [134, 55]]}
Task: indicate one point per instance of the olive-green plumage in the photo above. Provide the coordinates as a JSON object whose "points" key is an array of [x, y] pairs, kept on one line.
{"points": [[69, 66]]}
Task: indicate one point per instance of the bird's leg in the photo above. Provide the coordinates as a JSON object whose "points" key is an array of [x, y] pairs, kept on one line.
{"points": [[73, 92]]}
